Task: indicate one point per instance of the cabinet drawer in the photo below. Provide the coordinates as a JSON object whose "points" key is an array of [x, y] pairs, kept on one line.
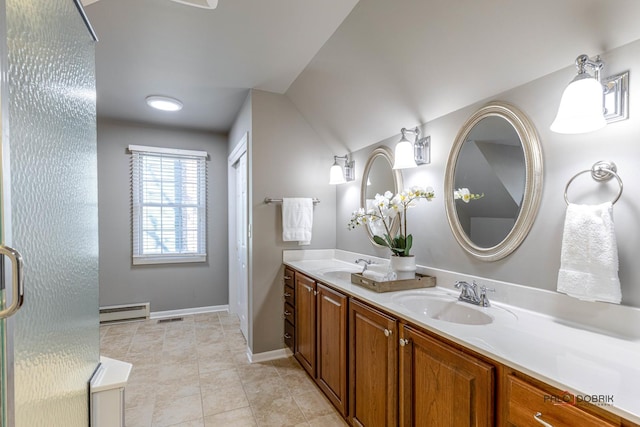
{"points": [[289, 334], [289, 294], [288, 313], [289, 276], [524, 401]]}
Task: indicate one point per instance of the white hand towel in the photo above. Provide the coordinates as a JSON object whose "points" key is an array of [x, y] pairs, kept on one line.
{"points": [[297, 220], [375, 276], [589, 260]]}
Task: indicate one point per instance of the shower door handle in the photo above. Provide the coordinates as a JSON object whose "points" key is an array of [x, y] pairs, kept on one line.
{"points": [[17, 284]]}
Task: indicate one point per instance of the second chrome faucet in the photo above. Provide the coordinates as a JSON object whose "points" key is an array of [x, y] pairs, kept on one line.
{"points": [[469, 293]]}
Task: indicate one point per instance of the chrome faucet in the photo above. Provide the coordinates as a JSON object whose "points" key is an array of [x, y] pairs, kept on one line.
{"points": [[469, 293], [367, 263]]}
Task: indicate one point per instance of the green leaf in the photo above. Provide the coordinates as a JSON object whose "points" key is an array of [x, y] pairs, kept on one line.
{"points": [[379, 240], [407, 247]]}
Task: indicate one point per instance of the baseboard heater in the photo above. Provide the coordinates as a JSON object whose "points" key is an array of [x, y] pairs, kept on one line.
{"points": [[124, 312]]}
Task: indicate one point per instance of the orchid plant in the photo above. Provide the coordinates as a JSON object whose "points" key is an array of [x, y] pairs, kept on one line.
{"points": [[385, 209], [465, 195]]}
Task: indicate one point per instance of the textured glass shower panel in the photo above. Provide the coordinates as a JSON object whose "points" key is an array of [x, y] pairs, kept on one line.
{"points": [[54, 219]]}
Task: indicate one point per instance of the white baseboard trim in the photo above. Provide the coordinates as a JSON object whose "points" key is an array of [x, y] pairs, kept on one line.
{"points": [[187, 311], [267, 355]]}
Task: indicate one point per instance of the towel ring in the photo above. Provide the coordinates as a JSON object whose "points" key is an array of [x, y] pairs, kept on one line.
{"points": [[601, 171]]}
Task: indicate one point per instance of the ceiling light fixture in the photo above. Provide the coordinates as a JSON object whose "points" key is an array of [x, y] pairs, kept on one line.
{"points": [[163, 103], [589, 102], [202, 4], [408, 154], [338, 175]]}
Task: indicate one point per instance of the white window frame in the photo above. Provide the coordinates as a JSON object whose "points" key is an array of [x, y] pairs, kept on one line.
{"points": [[138, 153]]}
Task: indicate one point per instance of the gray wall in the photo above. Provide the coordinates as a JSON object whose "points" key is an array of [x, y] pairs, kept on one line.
{"points": [[287, 159], [537, 261], [170, 286]]}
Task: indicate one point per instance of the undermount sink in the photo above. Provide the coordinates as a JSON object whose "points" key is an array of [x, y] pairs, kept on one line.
{"points": [[444, 308], [339, 273]]}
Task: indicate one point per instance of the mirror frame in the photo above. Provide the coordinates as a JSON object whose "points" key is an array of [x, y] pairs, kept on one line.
{"points": [[385, 153], [533, 181]]}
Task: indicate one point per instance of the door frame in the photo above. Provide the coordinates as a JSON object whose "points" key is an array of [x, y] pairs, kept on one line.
{"points": [[240, 149]]}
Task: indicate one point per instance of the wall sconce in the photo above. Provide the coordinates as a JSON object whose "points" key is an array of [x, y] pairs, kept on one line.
{"points": [[410, 155], [589, 102], [338, 175]]}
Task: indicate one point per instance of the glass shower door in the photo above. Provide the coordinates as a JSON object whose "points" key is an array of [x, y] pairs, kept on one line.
{"points": [[50, 346]]}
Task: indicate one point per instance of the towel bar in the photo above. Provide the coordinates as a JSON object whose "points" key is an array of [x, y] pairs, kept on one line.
{"points": [[601, 171], [269, 200]]}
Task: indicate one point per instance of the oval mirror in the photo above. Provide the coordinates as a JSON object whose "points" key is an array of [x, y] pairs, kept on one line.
{"points": [[377, 178], [493, 181]]}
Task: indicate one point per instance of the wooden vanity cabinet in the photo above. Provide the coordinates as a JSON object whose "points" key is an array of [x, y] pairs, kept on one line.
{"points": [[289, 308], [331, 346], [527, 403], [321, 337], [305, 323], [373, 367], [442, 386]]}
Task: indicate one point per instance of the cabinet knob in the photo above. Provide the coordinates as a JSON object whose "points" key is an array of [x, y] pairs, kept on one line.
{"points": [[538, 418], [388, 332], [404, 341], [287, 336], [287, 294], [287, 313], [288, 277]]}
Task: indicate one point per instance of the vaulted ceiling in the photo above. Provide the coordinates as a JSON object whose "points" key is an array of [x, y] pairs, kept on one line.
{"points": [[357, 70]]}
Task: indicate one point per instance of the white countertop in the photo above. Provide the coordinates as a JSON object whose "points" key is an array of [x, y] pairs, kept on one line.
{"points": [[597, 357]]}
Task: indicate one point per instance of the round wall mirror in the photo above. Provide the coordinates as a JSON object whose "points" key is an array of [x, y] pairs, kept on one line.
{"points": [[377, 178], [493, 181]]}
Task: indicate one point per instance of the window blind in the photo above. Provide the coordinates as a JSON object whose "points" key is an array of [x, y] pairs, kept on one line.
{"points": [[168, 193]]}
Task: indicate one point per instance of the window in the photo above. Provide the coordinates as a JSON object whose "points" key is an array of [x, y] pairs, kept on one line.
{"points": [[169, 199]]}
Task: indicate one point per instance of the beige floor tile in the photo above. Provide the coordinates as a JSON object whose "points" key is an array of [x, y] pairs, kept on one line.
{"points": [[242, 417], [224, 399], [313, 404], [281, 411], [175, 411], [332, 420], [143, 394], [138, 416], [194, 423], [298, 382], [211, 382]]}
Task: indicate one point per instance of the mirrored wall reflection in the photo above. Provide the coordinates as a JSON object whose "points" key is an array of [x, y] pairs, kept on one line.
{"points": [[491, 167], [377, 178]]}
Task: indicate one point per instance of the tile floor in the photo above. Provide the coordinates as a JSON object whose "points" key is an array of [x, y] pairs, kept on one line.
{"points": [[195, 373]]}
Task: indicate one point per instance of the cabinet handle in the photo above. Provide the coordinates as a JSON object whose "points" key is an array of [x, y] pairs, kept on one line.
{"points": [[288, 277], [287, 336], [287, 294], [538, 417], [287, 313], [315, 293], [308, 288], [404, 342], [388, 332]]}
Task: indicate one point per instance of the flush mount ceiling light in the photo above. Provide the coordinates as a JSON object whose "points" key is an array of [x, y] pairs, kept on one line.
{"points": [[338, 175], [202, 4], [410, 155], [589, 102], [163, 103]]}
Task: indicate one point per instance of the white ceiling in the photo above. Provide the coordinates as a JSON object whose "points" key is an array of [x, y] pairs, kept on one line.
{"points": [[206, 58], [389, 64]]}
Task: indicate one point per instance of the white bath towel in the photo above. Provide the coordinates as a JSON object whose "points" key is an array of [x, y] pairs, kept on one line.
{"points": [[589, 260], [297, 220]]}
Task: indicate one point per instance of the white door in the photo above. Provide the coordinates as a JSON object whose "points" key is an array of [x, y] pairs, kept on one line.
{"points": [[242, 234]]}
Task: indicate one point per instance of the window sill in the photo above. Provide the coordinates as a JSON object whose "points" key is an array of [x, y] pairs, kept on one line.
{"points": [[164, 259]]}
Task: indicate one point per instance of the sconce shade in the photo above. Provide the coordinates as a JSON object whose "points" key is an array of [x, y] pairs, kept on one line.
{"points": [[335, 174], [581, 107], [404, 155]]}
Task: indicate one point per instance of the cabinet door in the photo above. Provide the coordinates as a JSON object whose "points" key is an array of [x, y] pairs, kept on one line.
{"points": [[442, 386], [305, 323], [332, 346], [373, 349]]}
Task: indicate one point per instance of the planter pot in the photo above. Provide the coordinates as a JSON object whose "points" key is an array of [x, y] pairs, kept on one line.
{"points": [[404, 266]]}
